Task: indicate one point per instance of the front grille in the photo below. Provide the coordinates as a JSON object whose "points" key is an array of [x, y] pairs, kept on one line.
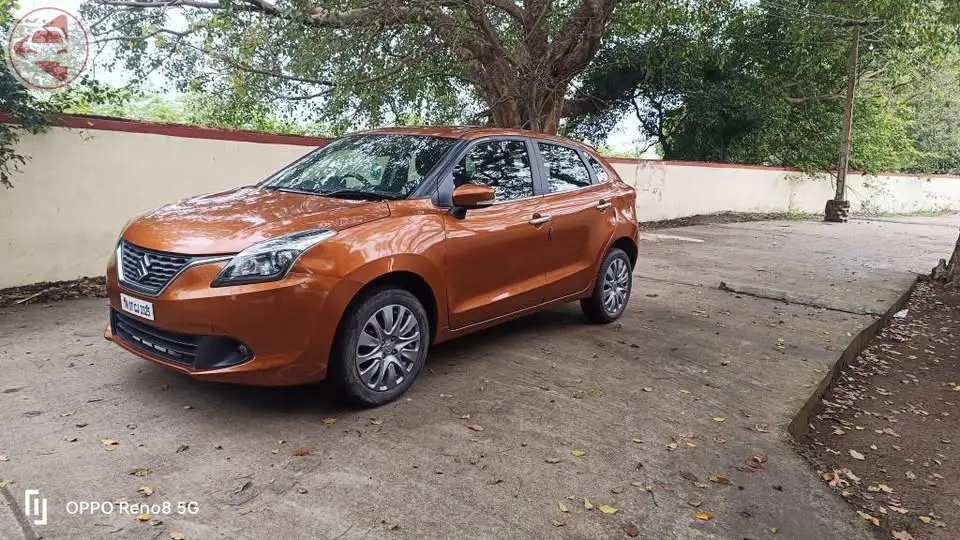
{"points": [[173, 346], [149, 271]]}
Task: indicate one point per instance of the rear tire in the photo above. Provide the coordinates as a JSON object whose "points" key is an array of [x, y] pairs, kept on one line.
{"points": [[381, 347], [611, 293]]}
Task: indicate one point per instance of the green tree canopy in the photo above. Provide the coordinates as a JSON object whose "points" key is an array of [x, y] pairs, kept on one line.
{"points": [[763, 82], [364, 62]]}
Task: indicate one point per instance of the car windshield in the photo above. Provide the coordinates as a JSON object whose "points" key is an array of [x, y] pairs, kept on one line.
{"points": [[364, 166]]}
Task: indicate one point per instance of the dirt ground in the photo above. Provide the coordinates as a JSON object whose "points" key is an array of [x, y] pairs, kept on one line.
{"points": [[887, 436], [54, 291], [671, 423]]}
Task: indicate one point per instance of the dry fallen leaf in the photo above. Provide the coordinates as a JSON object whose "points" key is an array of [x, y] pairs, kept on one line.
{"points": [[6, 483], [3, 457], [328, 420], [563, 507], [868, 517], [177, 536], [638, 441], [587, 504], [552, 460], [578, 453], [902, 535], [375, 421], [719, 419], [146, 516], [109, 444], [885, 488], [140, 472], [558, 523], [925, 519], [856, 455], [704, 516], [146, 491], [720, 479], [607, 509], [899, 509], [300, 452], [475, 427], [911, 476], [647, 389]]}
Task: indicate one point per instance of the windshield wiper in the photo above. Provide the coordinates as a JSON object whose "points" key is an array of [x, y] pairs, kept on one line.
{"points": [[291, 190], [358, 194]]}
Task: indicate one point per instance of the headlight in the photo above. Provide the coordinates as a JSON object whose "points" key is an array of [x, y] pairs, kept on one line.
{"points": [[269, 260]]}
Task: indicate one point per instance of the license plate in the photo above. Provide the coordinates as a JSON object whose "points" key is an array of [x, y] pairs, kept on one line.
{"points": [[138, 307]]}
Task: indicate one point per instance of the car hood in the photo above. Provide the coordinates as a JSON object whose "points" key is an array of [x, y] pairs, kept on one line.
{"points": [[231, 221]]}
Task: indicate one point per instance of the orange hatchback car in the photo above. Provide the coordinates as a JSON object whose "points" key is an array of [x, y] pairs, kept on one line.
{"points": [[349, 263]]}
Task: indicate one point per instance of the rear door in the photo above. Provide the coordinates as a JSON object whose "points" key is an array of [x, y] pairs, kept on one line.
{"points": [[495, 255], [577, 197]]}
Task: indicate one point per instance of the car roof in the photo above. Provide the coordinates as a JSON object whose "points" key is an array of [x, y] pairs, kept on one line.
{"points": [[471, 133]]}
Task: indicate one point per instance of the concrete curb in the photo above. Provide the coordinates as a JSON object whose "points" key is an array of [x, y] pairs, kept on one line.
{"points": [[800, 425]]}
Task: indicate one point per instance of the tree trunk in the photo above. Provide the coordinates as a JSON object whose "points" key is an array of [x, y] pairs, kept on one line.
{"points": [[947, 271], [515, 106], [954, 262]]}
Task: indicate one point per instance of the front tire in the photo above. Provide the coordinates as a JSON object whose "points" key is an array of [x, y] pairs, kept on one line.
{"points": [[382, 347], [612, 289]]}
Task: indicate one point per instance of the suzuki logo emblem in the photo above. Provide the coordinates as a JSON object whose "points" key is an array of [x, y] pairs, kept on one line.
{"points": [[143, 268]]}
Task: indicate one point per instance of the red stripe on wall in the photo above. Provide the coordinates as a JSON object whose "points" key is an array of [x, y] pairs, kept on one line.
{"points": [[79, 121], [719, 165]]}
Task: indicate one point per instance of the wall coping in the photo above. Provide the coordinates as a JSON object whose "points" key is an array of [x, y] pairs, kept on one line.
{"points": [[722, 165], [84, 121]]}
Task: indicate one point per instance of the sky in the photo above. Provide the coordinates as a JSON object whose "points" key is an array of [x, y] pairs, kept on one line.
{"points": [[625, 137]]}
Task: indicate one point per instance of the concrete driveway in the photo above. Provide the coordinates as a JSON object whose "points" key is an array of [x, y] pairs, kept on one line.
{"points": [[693, 382]]}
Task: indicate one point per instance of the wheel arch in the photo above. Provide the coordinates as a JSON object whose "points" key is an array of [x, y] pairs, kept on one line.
{"points": [[629, 246], [410, 282]]}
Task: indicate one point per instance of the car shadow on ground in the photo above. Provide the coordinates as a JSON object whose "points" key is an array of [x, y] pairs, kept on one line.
{"points": [[158, 386]]}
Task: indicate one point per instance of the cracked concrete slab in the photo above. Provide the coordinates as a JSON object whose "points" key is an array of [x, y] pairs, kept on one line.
{"points": [[705, 381]]}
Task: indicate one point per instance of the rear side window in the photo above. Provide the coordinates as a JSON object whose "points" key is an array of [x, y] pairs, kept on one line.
{"points": [[565, 170], [502, 165], [599, 170]]}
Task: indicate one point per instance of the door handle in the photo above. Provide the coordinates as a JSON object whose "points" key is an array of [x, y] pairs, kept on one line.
{"points": [[539, 219], [604, 204]]}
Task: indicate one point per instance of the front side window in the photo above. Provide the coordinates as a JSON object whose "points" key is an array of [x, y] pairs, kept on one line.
{"points": [[602, 174], [502, 165], [388, 166], [565, 170]]}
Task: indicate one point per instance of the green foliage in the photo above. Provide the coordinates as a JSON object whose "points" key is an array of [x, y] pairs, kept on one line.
{"points": [[25, 112], [195, 109], [763, 82]]}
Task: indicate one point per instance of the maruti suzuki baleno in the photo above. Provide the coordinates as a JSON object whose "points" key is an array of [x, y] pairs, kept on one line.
{"points": [[349, 263]]}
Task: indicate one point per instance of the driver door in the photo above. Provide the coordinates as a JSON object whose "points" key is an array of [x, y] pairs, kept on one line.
{"points": [[495, 255]]}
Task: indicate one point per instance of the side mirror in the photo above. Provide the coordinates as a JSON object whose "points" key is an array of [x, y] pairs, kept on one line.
{"points": [[473, 196]]}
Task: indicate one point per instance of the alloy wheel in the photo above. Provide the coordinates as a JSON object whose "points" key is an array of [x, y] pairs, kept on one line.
{"points": [[388, 347], [616, 285]]}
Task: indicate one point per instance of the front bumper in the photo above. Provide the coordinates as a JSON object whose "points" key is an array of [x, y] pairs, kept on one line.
{"points": [[265, 334]]}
